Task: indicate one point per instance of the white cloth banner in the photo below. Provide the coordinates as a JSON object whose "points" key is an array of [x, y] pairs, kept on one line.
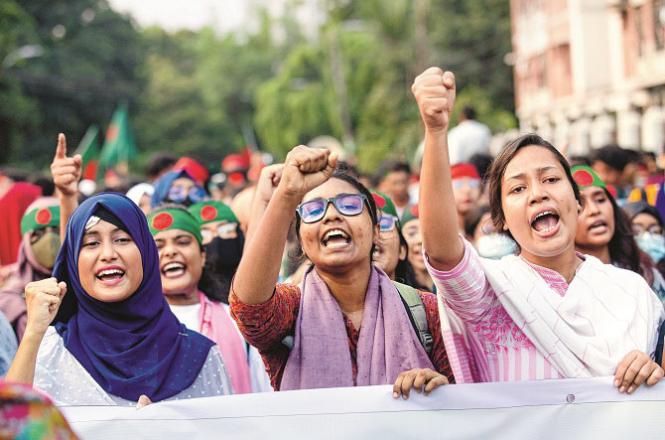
{"points": [[554, 409]]}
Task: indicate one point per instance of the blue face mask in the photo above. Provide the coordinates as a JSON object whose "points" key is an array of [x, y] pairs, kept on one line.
{"points": [[496, 246], [652, 244]]}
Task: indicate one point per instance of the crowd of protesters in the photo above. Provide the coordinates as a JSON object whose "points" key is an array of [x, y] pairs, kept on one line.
{"points": [[307, 274]]}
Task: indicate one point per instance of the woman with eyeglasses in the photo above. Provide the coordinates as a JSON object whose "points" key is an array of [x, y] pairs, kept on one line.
{"points": [[184, 266], [177, 187], [605, 232], [548, 312], [345, 324], [391, 249]]}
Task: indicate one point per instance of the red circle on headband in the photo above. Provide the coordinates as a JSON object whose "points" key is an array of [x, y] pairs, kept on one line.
{"points": [[43, 216], [162, 221], [583, 178], [208, 213]]}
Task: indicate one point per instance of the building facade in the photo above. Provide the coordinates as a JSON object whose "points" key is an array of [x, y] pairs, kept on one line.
{"points": [[591, 72]]}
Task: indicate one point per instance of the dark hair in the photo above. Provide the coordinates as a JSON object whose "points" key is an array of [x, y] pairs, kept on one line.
{"points": [[404, 271], [469, 112], [342, 175], [45, 183], [482, 162], [623, 248], [158, 163], [500, 164], [472, 219], [390, 166], [613, 155]]}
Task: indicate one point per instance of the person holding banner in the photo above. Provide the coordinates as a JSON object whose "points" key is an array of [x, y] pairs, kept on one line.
{"points": [[345, 324], [548, 312], [115, 340]]}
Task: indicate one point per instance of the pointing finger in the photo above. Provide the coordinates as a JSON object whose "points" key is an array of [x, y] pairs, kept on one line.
{"points": [[61, 149]]}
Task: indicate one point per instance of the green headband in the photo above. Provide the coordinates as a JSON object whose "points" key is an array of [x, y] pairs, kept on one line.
{"points": [[172, 218], [40, 218], [384, 203], [212, 211], [585, 177]]}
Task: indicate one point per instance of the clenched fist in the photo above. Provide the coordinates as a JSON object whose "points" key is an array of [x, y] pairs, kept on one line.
{"points": [[434, 90], [43, 300], [305, 169], [66, 171]]}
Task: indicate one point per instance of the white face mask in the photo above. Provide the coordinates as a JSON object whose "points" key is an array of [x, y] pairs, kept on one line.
{"points": [[496, 246], [652, 244]]}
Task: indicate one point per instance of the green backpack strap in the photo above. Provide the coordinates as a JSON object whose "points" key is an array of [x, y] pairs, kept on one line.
{"points": [[416, 310]]}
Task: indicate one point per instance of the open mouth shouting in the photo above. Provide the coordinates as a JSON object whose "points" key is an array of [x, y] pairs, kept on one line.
{"points": [[110, 275], [173, 269], [335, 239], [598, 227], [545, 223]]}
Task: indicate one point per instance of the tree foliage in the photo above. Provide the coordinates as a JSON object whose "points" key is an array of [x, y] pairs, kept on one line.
{"points": [[207, 94]]}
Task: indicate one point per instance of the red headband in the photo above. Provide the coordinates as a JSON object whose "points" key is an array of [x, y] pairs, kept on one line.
{"points": [[461, 170]]}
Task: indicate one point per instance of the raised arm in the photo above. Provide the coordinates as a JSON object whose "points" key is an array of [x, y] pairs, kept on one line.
{"points": [[43, 300], [305, 169], [265, 188], [66, 172], [435, 93]]}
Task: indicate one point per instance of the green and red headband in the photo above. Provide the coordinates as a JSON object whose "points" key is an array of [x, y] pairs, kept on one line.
{"points": [[212, 211], [384, 203], [412, 213], [585, 177], [40, 218], [165, 219]]}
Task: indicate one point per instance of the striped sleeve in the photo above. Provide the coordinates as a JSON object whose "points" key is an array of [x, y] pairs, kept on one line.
{"points": [[464, 288]]}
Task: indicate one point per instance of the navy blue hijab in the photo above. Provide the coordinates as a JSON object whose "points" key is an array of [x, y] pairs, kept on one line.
{"points": [[134, 346]]}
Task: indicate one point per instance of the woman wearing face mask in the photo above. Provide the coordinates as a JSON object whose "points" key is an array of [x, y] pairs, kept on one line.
{"points": [[391, 250], [414, 239], [182, 263], [177, 187], [106, 292], [647, 226], [559, 313], [605, 232], [40, 227], [223, 241], [345, 325], [488, 242]]}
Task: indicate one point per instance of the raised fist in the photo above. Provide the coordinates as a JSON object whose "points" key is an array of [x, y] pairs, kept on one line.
{"points": [[66, 171], [434, 90], [305, 169], [268, 181], [43, 300]]}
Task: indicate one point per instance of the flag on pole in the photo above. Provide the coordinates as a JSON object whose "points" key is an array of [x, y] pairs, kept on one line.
{"points": [[119, 147], [88, 148]]}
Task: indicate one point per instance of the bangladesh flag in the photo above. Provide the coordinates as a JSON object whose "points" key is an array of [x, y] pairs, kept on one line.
{"points": [[119, 147], [89, 150]]}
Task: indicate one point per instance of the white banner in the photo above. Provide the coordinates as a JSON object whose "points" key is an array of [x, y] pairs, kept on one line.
{"points": [[568, 409]]}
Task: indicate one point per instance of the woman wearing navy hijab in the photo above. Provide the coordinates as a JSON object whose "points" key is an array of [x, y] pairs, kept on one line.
{"points": [[114, 337]]}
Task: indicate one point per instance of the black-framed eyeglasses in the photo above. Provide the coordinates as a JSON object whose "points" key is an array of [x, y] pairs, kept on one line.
{"points": [[348, 205]]}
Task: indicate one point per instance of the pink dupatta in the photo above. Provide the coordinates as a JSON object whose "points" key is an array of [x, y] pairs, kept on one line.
{"points": [[217, 325]]}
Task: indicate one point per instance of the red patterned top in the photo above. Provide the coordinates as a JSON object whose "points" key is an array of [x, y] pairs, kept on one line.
{"points": [[266, 325]]}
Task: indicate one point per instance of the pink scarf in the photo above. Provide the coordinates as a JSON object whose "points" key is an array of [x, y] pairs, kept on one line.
{"points": [[24, 271], [320, 357], [217, 325]]}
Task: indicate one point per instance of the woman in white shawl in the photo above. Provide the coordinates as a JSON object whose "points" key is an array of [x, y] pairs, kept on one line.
{"points": [[548, 312]]}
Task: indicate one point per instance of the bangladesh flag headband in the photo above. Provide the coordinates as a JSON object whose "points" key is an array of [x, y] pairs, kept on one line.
{"points": [[212, 211], [410, 214], [40, 218], [585, 177], [384, 203], [170, 218]]}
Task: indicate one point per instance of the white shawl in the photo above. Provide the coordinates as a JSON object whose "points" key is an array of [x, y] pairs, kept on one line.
{"points": [[606, 313]]}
